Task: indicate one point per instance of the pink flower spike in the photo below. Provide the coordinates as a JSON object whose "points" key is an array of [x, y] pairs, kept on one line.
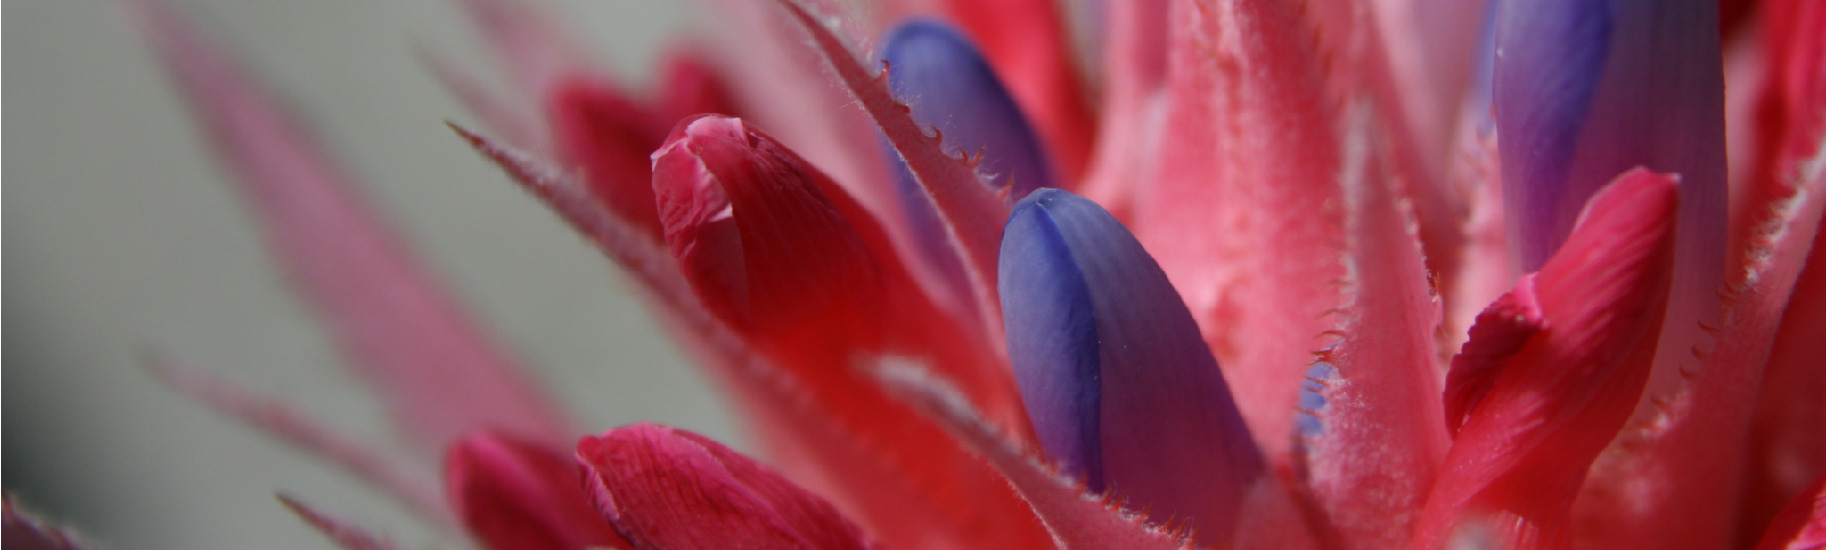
{"points": [[664, 488], [1802, 524], [439, 374], [343, 533], [280, 421], [1554, 403], [19, 530], [513, 495]]}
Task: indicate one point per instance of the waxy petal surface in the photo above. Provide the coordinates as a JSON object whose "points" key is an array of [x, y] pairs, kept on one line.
{"points": [[1524, 448], [1689, 454], [763, 245], [1586, 90], [440, 375], [1116, 378], [513, 495], [665, 488], [805, 277]]}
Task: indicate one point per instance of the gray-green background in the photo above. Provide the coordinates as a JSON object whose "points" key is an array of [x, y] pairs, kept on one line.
{"points": [[120, 235]]}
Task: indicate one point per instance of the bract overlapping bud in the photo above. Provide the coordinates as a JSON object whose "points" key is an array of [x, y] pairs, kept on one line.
{"points": [[1241, 273]]}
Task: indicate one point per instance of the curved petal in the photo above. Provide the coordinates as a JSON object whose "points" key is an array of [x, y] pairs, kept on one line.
{"points": [[1584, 90], [806, 278], [1802, 524], [1117, 380], [665, 488], [1028, 44], [513, 495], [1555, 402]]}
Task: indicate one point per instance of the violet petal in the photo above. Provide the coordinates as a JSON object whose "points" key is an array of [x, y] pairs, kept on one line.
{"points": [[1116, 377]]}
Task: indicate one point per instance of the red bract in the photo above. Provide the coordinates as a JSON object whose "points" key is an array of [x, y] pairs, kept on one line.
{"points": [[665, 488], [1294, 170]]}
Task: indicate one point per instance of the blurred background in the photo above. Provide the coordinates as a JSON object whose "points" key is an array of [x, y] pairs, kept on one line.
{"points": [[120, 235]]}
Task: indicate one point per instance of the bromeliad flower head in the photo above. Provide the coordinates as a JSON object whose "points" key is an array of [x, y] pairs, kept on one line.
{"points": [[1283, 274]]}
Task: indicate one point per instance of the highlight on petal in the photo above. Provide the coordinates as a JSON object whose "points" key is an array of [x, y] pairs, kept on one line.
{"points": [[1119, 384], [439, 373], [1802, 524], [760, 240], [609, 135], [665, 488], [513, 494], [20, 530], [1553, 403], [940, 74]]}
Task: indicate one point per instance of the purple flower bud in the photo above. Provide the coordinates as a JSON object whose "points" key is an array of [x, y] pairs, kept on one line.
{"points": [[1120, 386]]}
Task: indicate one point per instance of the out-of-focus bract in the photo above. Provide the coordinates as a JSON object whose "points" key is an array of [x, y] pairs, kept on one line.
{"points": [[1185, 274]]}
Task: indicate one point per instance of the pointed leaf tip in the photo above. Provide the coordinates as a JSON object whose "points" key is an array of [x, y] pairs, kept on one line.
{"points": [[439, 373], [972, 214], [1119, 383], [344, 534]]}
